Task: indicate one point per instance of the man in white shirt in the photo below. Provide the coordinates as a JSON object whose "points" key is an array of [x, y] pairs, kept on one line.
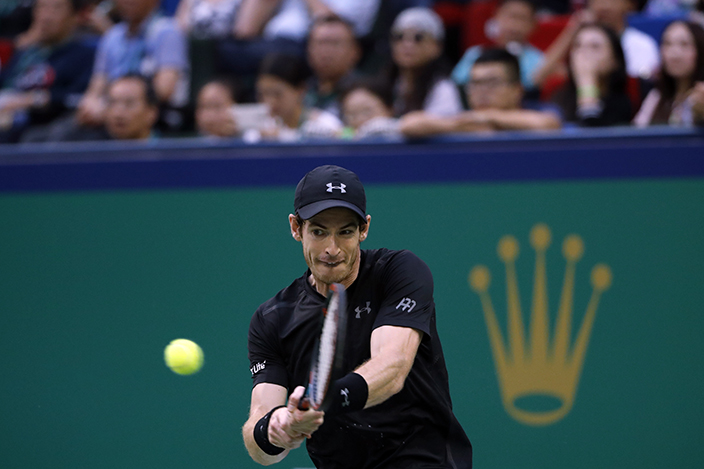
{"points": [[640, 49]]}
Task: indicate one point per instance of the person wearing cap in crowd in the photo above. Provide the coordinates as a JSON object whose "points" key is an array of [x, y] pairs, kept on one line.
{"points": [[419, 73], [395, 411]]}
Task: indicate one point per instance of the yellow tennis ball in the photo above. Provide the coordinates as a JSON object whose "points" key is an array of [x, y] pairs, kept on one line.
{"points": [[183, 356]]}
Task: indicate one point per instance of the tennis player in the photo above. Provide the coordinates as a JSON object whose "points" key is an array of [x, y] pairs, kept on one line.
{"points": [[392, 409]]}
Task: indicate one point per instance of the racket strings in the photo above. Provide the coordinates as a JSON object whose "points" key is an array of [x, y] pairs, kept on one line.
{"points": [[326, 352]]}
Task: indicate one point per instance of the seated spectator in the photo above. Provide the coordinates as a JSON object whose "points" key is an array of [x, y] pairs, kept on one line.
{"points": [[640, 50], [495, 95], [677, 98], [419, 71], [146, 44], [214, 117], [281, 86], [46, 79], [133, 109], [207, 19], [333, 53], [513, 23], [367, 109], [595, 92], [130, 114]]}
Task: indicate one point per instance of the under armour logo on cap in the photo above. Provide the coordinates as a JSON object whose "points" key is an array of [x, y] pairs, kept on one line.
{"points": [[341, 187], [327, 187]]}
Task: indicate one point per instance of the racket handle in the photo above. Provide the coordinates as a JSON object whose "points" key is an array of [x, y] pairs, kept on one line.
{"points": [[304, 404]]}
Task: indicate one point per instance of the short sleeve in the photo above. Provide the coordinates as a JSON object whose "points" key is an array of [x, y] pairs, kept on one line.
{"points": [[443, 99], [170, 48], [265, 358], [407, 293]]}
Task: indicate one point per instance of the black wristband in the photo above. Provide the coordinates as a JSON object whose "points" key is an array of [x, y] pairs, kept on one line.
{"points": [[350, 394], [261, 434]]}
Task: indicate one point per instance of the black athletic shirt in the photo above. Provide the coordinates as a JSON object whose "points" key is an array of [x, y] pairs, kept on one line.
{"points": [[414, 428]]}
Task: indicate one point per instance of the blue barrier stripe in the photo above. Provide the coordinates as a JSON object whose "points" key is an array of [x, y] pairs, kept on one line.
{"points": [[194, 166]]}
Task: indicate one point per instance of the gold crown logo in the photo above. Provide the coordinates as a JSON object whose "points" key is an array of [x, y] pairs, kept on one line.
{"points": [[539, 368]]}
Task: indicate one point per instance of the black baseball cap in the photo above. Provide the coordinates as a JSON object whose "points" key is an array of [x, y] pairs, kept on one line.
{"points": [[327, 187]]}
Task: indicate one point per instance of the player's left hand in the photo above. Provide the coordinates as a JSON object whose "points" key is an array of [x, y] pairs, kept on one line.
{"points": [[289, 426]]}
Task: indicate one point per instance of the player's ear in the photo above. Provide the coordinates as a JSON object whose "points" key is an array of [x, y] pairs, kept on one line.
{"points": [[295, 227], [364, 229]]}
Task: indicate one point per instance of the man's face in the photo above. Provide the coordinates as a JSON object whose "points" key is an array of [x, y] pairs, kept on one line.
{"points": [[129, 116], [332, 50], [134, 11], [490, 87], [54, 19], [515, 22], [331, 242]]}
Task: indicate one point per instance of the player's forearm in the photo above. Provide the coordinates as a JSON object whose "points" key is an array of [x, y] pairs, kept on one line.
{"points": [[393, 353]]}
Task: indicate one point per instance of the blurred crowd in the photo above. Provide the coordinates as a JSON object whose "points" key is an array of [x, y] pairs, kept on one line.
{"points": [[288, 70]]}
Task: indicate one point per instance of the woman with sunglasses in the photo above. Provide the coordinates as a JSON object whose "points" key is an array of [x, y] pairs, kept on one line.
{"points": [[418, 73]]}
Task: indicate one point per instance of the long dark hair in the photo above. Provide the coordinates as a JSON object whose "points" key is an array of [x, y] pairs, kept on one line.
{"points": [[616, 81], [666, 83], [425, 78]]}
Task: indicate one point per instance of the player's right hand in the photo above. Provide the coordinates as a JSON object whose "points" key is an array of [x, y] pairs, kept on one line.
{"points": [[289, 426]]}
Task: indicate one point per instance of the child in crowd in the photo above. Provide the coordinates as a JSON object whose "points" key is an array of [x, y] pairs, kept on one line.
{"points": [[367, 109], [281, 85]]}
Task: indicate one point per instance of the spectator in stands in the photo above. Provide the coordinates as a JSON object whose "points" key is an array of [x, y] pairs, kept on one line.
{"points": [[214, 115], [513, 23], [147, 44], [266, 26], [678, 98], [208, 19], [595, 92], [419, 71], [495, 95], [46, 79], [281, 86], [640, 50], [367, 106], [132, 110], [333, 53]]}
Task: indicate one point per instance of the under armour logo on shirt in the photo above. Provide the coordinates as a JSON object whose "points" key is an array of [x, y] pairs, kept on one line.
{"points": [[341, 187], [345, 393]]}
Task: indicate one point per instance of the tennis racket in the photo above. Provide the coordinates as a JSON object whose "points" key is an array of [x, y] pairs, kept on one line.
{"points": [[326, 364]]}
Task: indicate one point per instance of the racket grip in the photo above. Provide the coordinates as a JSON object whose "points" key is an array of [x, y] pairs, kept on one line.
{"points": [[304, 404]]}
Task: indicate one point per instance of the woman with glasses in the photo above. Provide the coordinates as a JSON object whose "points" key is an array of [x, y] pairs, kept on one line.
{"points": [[419, 73]]}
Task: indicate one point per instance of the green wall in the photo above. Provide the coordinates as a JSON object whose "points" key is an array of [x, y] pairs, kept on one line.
{"points": [[95, 284]]}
